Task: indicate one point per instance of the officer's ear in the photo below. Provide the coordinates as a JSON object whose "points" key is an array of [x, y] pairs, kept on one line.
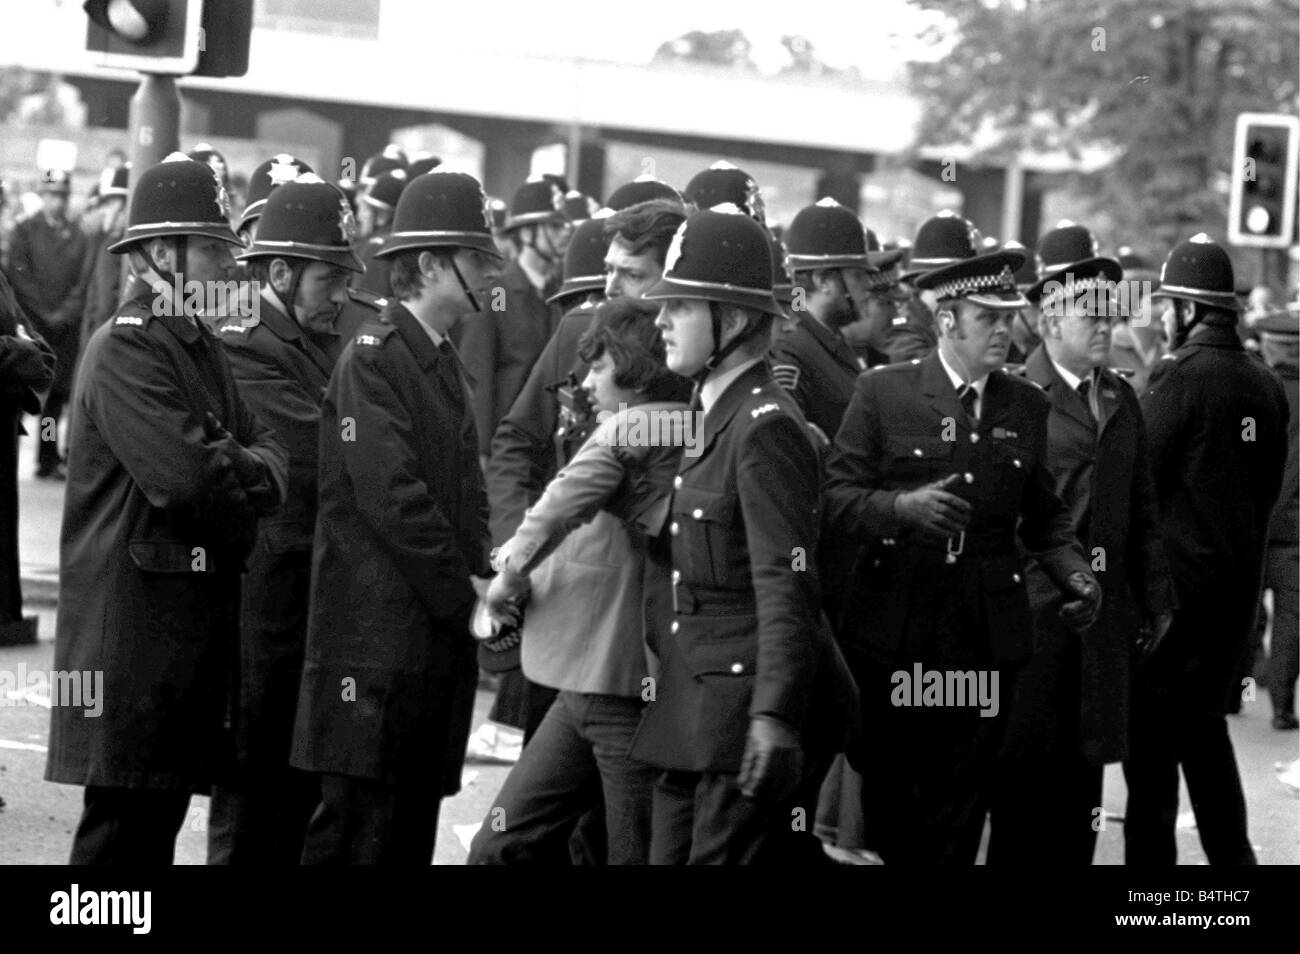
{"points": [[163, 252], [947, 320], [281, 275]]}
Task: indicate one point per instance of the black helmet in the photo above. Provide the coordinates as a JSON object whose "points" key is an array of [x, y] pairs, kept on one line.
{"points": [[391, 158], [584, 260], [277, 170], [942, 240], [720, 255], [1065, 246], [826, 235], [1199, 270], [386, 190], [538, 201], [722, 184], [179, 196], [441, 210], [307, 218]]}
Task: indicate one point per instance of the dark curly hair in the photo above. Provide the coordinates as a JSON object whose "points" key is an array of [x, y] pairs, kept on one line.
{"points": [[624, 328]]}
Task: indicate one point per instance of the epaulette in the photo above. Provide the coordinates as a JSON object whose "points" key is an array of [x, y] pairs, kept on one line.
{"points": [[1122, 372], [374, 335], [241, 324], [133, 317], [895, 366], [368, 299], [786, 375]]}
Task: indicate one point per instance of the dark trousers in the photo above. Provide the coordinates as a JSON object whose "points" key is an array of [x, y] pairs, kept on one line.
{"points": [[362, 821], [261, 818], [933, 767], [47, 450], [1167, 732], [577, 757], [1046, 811], [128, 826], [701, 818], [1282, 576]]}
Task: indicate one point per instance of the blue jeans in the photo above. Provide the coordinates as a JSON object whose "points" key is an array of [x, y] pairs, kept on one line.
{"points": [[578, 752]]}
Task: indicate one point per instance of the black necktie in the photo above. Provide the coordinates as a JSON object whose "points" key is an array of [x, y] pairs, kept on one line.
{"points": [[449, 368], [1085, 392], [968, 397]]}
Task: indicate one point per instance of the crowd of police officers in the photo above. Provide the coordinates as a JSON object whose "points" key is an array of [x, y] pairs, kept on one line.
{"points": [[918, 473]]}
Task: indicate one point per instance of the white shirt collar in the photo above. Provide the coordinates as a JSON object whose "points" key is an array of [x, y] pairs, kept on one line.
{"points": [[1069, 377], [717, 385], [437, 338], [958, 382]]}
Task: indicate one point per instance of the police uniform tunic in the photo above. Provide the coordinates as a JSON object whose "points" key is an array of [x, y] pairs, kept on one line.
{"points": [[817, 366], [153, 544], [746, 637], [389, 672], [959, 605]]}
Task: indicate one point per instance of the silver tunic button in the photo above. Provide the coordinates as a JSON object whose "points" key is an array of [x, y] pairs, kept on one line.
{"points": [[674, 529], [697, 513], [1016, 462], [974, 438], [1015, 577], [970, 478], [675, 627], [737, 667], [917, 452], [677, 576], [677, 482]]}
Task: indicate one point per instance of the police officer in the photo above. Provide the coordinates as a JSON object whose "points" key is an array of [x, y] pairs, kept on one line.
{"points": [[825, 244], [943, 240], [878, 295], [389, 671], [276, 171], [1217, 421], [501, 350], [752, 685], [46, 256], [168, 473], [725, 184], [939, 465], [1069, 717], [375, 218], [282, 356], [103, 274], [1024, 329]]}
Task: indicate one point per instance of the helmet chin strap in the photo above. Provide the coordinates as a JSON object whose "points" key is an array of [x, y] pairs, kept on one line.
{"points": [[464, 285], [182, 254], [719, 354], [1183, 332]]}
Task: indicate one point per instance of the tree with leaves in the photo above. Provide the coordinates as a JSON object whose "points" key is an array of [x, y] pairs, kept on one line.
{"points": [[1158, 82]]}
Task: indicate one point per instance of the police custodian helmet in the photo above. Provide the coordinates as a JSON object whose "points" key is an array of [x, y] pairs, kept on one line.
{"points": [[307, 218], [179, 196], [441, 210]]}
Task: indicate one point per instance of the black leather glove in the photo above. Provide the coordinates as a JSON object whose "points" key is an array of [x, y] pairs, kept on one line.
{"points": [[22, 361], [772, 766], [932, 509], [249, 469], [1079, 614]]}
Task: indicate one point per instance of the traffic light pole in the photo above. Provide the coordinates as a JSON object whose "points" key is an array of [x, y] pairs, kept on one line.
{"points": [[155, 121]]}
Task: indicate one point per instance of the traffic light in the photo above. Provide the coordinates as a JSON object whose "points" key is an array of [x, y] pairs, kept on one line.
{"points": [[173, 37], [1262, 207]]}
